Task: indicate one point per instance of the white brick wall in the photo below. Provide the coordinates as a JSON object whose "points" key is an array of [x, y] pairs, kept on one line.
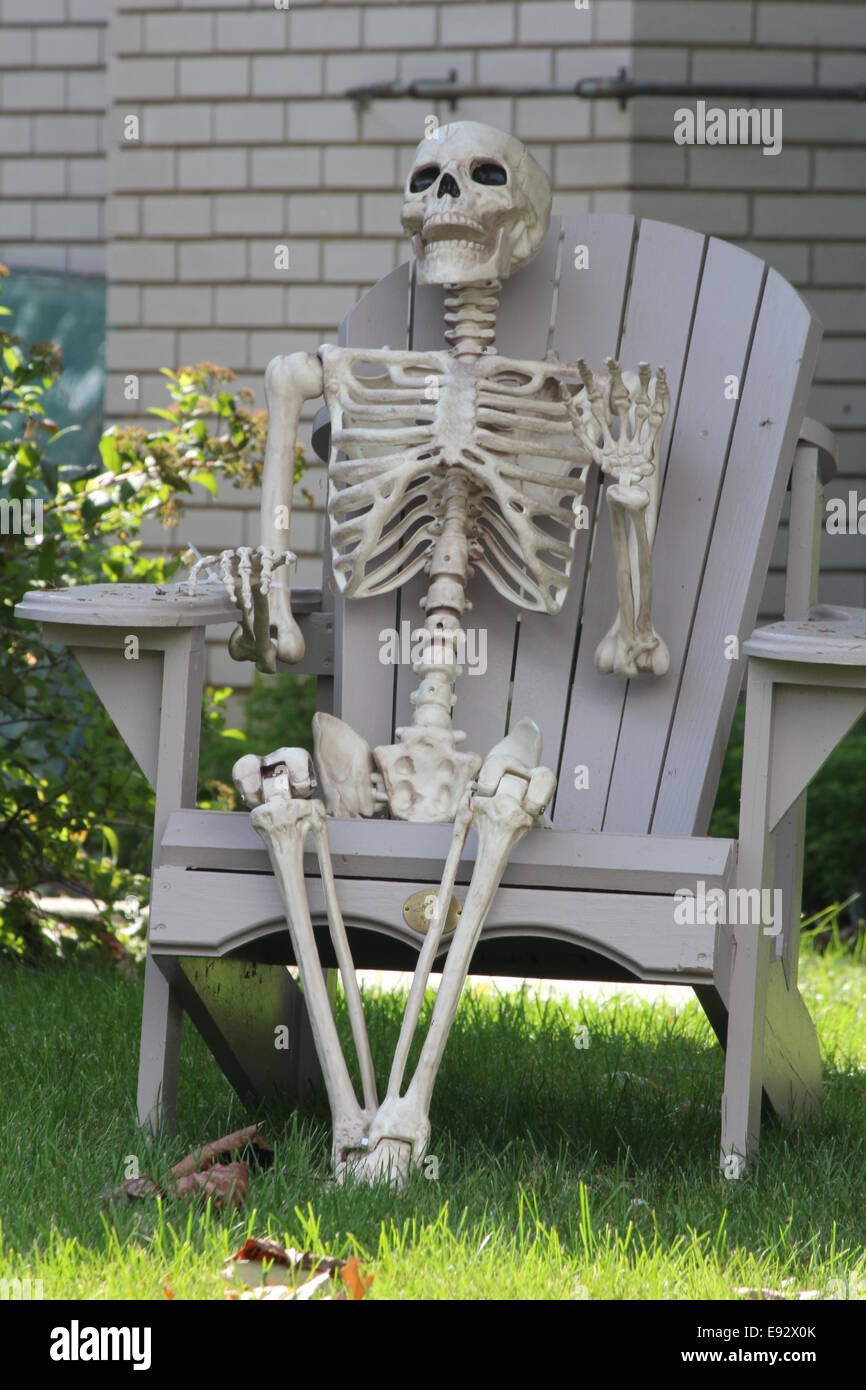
{"points": [[52, 100], [803, 210], [248, 141]]}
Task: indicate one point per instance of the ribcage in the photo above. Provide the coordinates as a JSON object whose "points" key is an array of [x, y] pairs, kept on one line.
{"points": [[399, 425]]}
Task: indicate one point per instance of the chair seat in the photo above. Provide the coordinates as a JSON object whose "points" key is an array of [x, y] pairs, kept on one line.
{"points": [[545, 858], [568, 899]]}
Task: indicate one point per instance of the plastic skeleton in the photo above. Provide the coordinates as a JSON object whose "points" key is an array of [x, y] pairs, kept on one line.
{"points": [[444, 462]]}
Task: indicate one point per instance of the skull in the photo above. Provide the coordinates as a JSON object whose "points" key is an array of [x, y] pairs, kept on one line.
{"points": [[477, 205]]}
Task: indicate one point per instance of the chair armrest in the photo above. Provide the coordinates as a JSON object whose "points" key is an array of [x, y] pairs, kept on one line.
{"points": [[830, 636], [824, 440], [142, 605]]}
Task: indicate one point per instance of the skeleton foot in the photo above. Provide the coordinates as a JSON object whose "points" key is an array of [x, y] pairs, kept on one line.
{"points": [[398, 1139]]}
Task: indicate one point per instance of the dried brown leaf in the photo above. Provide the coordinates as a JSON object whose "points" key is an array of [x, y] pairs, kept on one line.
{"points": [[225, 1147], [222, 1181], [356, 1282], [246, 1265], [131, 1189]]}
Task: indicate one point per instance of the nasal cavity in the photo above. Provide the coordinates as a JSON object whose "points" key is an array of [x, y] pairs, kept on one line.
{"points": [[448, 184]]}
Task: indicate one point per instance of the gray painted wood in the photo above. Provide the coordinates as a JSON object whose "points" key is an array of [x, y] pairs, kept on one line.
{"points": [[809, 723], [801, 592], [589, 312], [749, 946], [175, 788], [211, 914], [131, 692], [728, 301], [567, 859], [236, 1005], [781, 364], [791, 1066], [659, 313], [804, 533], [830, 636]]}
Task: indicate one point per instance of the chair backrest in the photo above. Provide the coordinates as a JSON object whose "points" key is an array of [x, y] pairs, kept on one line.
{"points": [[739, 346]]}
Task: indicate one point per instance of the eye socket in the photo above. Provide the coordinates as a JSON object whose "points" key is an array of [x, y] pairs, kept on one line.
{"points": [[424, 178], [490, 173]]}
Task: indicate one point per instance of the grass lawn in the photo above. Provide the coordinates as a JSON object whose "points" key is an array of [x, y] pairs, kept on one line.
{"points": [[557, 1178]]}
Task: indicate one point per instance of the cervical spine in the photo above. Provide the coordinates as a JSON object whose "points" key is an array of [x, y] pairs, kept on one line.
{"points": [[471, 310]]}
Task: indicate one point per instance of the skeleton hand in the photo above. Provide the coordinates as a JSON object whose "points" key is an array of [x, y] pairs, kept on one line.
{"points": [[628, 456], [267, 631]]}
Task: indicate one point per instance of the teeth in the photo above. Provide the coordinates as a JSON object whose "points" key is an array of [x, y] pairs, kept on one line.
{"points": [[460, 219], [447, 226], [454, 243]]}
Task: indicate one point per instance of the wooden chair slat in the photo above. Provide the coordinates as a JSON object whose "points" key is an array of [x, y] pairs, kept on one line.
{"points": [[659, 313], [589, 314], [772, 406], [728, 303]]}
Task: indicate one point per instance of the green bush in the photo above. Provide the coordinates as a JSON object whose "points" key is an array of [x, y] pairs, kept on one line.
{"points": [[75, 811], [835, 858]]}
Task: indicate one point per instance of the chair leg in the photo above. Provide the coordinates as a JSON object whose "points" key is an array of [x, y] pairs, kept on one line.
{"points": [[159, 1056], [743, 943], [792, 1058], [744, 1057]]}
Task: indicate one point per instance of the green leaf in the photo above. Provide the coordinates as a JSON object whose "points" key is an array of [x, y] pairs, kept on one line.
{"points": [[206, 480], [111, 840], [108, 451]]}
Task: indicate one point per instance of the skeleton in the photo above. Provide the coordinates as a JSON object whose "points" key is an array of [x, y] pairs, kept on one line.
{"points": [[445, 462]]}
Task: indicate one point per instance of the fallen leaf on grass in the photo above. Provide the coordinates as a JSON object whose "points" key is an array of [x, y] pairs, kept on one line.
{"points": [[131, 1189], [222, 1181], [271, 1269], [356, 1282], [230, 1144], [302, 1294], [247, 1264], [200, 1175]]}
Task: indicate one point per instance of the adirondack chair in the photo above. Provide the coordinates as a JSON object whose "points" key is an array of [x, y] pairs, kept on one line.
{"points": [[594, 896]]}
